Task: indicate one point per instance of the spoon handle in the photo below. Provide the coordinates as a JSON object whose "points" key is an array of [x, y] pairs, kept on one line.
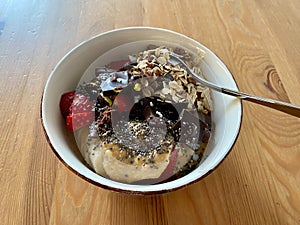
{"points": [[285, 107], [288, 108], [275, 104]]}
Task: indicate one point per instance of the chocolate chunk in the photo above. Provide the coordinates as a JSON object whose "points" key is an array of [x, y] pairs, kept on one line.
{"points": [[115, 81], [189, 129]]}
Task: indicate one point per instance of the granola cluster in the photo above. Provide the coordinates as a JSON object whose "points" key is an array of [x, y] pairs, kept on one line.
{"points": [[180, 86]]}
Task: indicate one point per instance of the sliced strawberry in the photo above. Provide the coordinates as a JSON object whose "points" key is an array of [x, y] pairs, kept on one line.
{"points": [[77, 109], [78, 120], [65, 103], [118, 65], [81, 104], [169, 171], [122, 103]]}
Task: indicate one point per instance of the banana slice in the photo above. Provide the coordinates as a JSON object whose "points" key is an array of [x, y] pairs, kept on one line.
{"points": [[110, 161], [91, 149], [185, 154], [119, 167], [81, 137]]}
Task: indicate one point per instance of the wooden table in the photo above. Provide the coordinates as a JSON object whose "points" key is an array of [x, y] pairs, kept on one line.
{"points": [[258, 183]]}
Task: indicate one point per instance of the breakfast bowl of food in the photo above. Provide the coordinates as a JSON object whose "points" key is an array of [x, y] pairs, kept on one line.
{"points": [[126, 111]]}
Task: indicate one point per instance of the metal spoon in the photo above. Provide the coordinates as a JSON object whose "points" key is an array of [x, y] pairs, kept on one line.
{"points": [[285, 107]]}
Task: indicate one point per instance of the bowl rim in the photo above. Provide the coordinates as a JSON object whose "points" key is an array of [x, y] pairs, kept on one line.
{"points": [[121, 190]]}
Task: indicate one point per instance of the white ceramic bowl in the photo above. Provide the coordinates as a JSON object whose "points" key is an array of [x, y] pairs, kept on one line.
{"points": [[226, 115]]}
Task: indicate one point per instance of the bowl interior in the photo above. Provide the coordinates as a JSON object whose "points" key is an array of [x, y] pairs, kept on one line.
{"points": [[78, 65]]}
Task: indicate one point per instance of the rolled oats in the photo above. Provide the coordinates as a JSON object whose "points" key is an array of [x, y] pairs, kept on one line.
{"points": [[154, 62], [161, 60]]}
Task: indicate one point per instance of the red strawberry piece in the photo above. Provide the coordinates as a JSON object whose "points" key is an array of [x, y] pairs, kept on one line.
{"points": [[170, 168], [118, 65], [65, 103], [81, 104], [122, 103], [78, 120], [76, 109]]}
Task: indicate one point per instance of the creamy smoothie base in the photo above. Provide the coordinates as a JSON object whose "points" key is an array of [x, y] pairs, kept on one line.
{"points": [[151, 119]]}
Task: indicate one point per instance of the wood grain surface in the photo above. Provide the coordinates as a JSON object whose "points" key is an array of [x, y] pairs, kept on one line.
{"points": [[258, 183]]}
